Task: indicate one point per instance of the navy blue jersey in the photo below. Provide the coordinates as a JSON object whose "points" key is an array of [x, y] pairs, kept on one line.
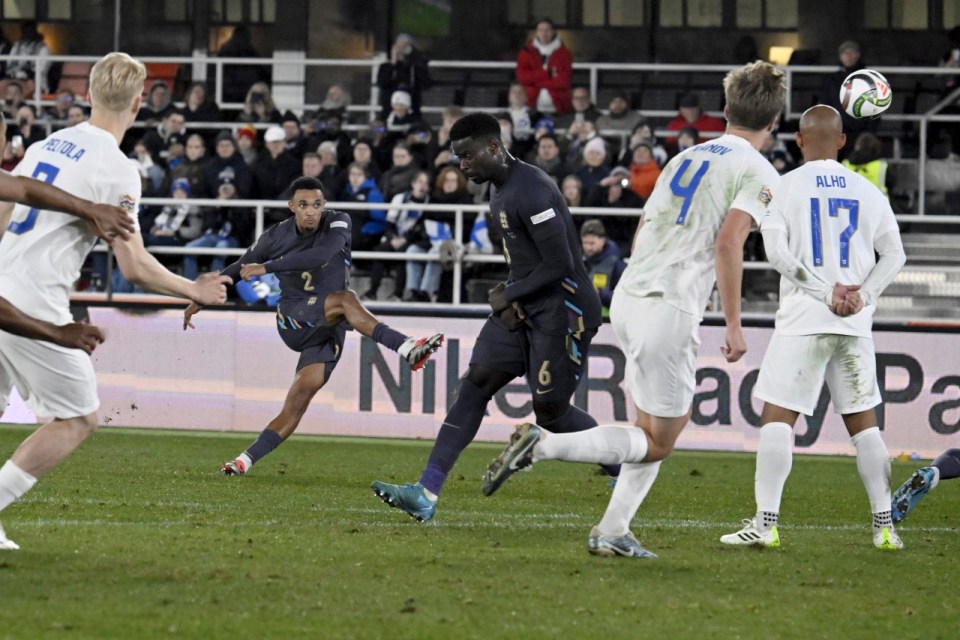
{"points": [[309, 266], [542, 248]]}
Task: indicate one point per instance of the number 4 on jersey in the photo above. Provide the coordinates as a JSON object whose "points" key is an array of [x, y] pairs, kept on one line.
{"points": [[686, 191], [45, 173]]}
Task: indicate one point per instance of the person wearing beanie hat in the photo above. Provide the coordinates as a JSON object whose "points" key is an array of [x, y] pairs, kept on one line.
{"points": [[593, 161], [690, 114], [295, 140], [226, 157], [180, 184], [401, 98], [620, 117], [247, 143], [247, 131], [274, 169], [408, 70]]}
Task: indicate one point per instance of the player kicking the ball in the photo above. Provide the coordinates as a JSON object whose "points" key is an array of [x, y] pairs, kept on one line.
{"points": [[824, 227], [310, 254], [40, 257]]}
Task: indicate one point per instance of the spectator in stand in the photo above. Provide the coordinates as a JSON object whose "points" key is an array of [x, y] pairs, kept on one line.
{"points": [[238, 76], [30, 44], [849, 58], [572, 190], [12, 100], [620, 119], [75, 115], [367, 224], [594, 168], [401, 229], [61, 107], [336, 102], [157, 104], [176, 150], [686, 138], [601, 257], [407, 70], [583, 110], [614, 192], [328, 126], [506, 133], [156, 139], [522, 118], [545, 70], [258, 105], [178, 223], [776, 152], [275, 167], [223, 228], [644, 170], [397, 179], [444, 155], [151, 174], [585, 133], [421, 144], [312, 167], [27, 127], [362, 152], [691, 115], [191, 167], [294, 139], [227, 162], [199, 107], [867, 160], [328, 156], [435, 229], [247, 144], [642, 133], [547, 157], [399, 120]]}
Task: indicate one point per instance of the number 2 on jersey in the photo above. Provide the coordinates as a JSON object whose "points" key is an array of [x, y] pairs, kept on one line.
{"points": [[833, 206], [686, 192], [45, 173]]}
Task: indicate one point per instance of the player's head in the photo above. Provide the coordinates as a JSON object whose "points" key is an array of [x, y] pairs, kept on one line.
{"points": [[821, 133], [307, 202], [755, 94], [475, 140], [116, 82]]}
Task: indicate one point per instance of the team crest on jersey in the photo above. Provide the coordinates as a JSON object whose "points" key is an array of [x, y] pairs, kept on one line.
{"points": [[765, 196], [312, 301], [128, 204], [503, 220]]}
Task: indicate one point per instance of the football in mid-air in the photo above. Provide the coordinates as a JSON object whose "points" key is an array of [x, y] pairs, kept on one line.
{"points": [[865, 94]]}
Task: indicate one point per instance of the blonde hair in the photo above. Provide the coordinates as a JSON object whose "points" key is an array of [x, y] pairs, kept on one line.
{"points": [[115, 81], [756, 94]]}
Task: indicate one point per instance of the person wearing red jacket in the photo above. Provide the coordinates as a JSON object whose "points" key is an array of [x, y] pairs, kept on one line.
{"points": [[545, 69], [691, 115]]}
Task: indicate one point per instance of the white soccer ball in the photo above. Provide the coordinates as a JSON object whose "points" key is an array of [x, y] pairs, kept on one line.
{"points": [[865, 94]]}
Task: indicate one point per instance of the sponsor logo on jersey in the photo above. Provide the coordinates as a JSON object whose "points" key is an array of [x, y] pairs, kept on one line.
{"points": [[338, 223], [543, 216], [765, 196]]}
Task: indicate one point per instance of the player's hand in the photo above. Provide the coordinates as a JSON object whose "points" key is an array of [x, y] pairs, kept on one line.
{"points": [[77, 335], [252, 269], [854, 302], [497, 297], [188, 313], [839, 302], [211, 288], [512, 316], [110, 222], [734, 345]]}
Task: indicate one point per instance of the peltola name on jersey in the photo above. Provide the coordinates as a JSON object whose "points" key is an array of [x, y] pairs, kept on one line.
{"points": [[831, 181], [64, 147]]}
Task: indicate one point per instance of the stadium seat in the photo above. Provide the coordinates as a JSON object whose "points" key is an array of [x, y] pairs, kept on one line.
{"points": [[166, 71]]}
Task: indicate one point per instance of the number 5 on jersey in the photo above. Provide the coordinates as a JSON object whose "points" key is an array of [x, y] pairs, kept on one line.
{"points": [[45, 173]]}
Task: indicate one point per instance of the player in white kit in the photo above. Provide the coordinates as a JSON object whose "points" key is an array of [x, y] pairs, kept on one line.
{"points": [[821, 233], [40, 257], [695, 223]]}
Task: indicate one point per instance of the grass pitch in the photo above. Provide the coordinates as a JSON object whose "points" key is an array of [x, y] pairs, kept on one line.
{"points": [[137, 536]]}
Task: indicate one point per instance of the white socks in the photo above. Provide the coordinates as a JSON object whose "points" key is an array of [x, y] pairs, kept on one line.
{"points": [[606, 444], [633, 484], [873, 463], [14, 482], [774, 460]]}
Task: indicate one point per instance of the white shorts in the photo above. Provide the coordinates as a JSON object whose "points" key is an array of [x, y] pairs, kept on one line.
{"points": [[54, 381], [795, 367], [660, 342]]}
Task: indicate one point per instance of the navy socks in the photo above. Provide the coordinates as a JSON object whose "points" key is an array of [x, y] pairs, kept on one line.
{"points": [[264, 444], [948, 463], [458, 430], [390, 338]]}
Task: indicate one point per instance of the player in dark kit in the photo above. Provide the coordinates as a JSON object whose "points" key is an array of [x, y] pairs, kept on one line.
{"points": [[543, 319], [310, 253]]}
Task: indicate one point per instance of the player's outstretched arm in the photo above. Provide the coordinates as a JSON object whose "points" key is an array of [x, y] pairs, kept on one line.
{"points": [[107, 221], [141, 268], [729, 265], [73, 336]]}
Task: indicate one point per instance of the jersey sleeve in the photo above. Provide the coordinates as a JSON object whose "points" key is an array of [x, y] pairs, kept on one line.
{"points": [[539, 215], [123, 188], [328, 244], [756, 190]]}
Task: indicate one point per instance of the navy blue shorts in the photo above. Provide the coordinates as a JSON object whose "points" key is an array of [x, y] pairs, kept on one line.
{"points": [[305, 330], [552, 365]]}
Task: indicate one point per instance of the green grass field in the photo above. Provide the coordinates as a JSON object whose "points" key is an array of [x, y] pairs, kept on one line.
{"points": [[137, 536]]}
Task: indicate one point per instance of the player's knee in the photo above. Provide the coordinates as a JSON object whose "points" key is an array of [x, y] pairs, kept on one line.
{"points": [[658, 448], [487, 380], [547, 412], [85, 425]]}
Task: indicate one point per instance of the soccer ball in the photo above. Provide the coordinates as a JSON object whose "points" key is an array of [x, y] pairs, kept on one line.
{"points": [[865, 94]]}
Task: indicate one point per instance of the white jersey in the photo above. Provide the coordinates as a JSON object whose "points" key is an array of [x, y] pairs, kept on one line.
{"points": [[674, 252], [832, 217], [42, 251]]}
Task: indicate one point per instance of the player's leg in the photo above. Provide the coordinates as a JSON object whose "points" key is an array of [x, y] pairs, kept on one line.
{"points": [[852, 379], [318, 358], [496, 360], [909, 494], [346, 306]]}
